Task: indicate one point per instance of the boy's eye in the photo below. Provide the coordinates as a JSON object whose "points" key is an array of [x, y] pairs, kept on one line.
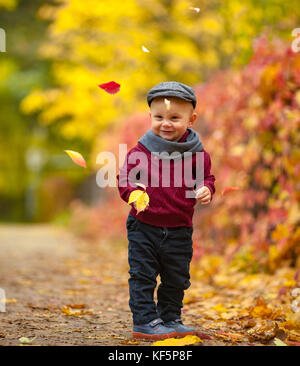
{"points": [[174, 117]]}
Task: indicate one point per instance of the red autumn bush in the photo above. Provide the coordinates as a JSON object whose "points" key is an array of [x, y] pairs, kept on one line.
{"points": [[249, 120]]}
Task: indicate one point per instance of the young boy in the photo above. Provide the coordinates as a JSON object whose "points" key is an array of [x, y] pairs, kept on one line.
{"points": [[160, 237]]}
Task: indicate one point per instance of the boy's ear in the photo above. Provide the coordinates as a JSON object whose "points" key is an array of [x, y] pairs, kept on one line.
{"points": [[193, 118]]}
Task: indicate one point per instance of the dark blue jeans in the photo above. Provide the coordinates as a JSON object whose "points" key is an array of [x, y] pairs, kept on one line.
{"points": [[153, 251]]}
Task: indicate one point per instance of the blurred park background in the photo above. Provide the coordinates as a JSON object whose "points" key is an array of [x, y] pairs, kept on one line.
{"points": [[237, 55]]}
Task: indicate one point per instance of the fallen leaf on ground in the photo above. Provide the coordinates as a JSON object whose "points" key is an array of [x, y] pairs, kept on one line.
{"points": [[236, 337], [263, 311], [10, 300], [263, 331], [130, 342], [220, 308], [68, 310], [189, 339], [26, 340], [294, 336], [278, 342], [76, 306]]}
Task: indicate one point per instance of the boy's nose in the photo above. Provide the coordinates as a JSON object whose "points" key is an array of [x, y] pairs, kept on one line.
{"points": [[166, 122]]}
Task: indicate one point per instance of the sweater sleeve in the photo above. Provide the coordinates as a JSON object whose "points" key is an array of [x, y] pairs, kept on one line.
{"points": [[209, 179], [125, 186]]}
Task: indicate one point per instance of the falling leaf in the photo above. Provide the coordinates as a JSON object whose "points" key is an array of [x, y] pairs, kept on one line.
{"points": [[145, 49], [279, 342], [228, 190], [195, 9], [111, 87], [76, 157], [167, 103], [26, 340], [189, 339]]}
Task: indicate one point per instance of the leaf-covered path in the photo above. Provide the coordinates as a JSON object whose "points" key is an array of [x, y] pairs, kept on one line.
{"points": [[61, 290]]}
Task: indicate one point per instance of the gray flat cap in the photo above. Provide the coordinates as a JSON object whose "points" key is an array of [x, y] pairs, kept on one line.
{"points": [[172, 89]]}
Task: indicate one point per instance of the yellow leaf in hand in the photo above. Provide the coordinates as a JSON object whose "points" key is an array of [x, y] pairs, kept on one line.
{"points": [[134, 195], [76, 157], [140, 199], [189, 339], [142, 202]]}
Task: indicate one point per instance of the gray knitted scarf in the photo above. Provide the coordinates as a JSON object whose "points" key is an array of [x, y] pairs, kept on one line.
{"points": [[162, 148]]}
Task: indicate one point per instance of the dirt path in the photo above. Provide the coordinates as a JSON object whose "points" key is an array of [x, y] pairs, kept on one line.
{"points": [[61, 290], [45, 269]]}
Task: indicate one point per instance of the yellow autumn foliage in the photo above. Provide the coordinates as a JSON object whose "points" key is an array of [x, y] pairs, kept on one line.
{"points": [[94, 42]]}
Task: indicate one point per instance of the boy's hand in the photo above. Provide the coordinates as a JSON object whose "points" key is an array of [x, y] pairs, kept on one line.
{"points": [[203, 195]]}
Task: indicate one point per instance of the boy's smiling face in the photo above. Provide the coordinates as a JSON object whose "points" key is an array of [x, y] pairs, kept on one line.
{"points": [[170, 121]]}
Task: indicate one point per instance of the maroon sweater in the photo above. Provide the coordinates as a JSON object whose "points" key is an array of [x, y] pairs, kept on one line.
{"points": [[168, 206]]}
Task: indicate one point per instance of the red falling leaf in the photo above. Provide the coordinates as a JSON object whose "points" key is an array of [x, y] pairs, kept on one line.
{"points": [[111, 87], [229, 189]]}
